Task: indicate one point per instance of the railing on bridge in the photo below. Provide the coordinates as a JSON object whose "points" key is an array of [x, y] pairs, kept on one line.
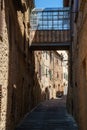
{"points": [[50, 26]]}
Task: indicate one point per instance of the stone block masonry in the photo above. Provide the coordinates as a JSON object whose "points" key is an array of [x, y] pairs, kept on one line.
{"points": [[4, 54], [16, 74]]}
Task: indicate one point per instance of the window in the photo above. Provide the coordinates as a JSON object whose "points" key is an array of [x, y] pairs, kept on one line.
{"points": [[46, 72], [42, 69], [57, 61], [57, 75], [51, 57], [50, 73], [62, 76], [46, 55], [65, 76]]}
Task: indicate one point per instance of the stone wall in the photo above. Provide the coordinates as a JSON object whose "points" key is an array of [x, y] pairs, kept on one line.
{"points": [[80, 66], [4, 59], [16, 65], [49, 73]]}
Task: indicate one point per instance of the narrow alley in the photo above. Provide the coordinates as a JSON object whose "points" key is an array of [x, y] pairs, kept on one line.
{"points": [[49, 115], [43, 64]]}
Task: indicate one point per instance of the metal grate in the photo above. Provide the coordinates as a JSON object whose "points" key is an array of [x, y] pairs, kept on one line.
{"points": [[50, 19], [50, 27]]}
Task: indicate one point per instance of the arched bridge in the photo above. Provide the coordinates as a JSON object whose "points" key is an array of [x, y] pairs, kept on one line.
{"points": [[50, 28]]}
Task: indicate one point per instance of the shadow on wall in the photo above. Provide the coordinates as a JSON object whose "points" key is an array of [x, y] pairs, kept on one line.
{"points": [[23, 91]]}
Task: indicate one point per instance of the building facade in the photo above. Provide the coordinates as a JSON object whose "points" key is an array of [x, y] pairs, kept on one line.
{"points": [[78, 93], [58, 73], [80, 64], [16, 63], [65, 65], [49, 72]]}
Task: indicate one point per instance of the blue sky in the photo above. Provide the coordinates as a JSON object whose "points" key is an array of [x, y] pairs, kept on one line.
{"points": [[48, 3]]}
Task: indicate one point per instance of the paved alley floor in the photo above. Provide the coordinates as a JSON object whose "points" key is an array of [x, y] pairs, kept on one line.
{"points": [[49, 115]]}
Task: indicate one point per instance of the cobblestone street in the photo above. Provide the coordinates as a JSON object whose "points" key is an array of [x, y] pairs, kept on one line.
{"points": [[43, 64], [49, 115]]}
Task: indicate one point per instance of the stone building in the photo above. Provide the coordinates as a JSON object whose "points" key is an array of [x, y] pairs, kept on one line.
{"points": [[65, 65], [49, 72], [16, 63], [26, 77], [80, 65], [57, 73], [78, 92]]}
